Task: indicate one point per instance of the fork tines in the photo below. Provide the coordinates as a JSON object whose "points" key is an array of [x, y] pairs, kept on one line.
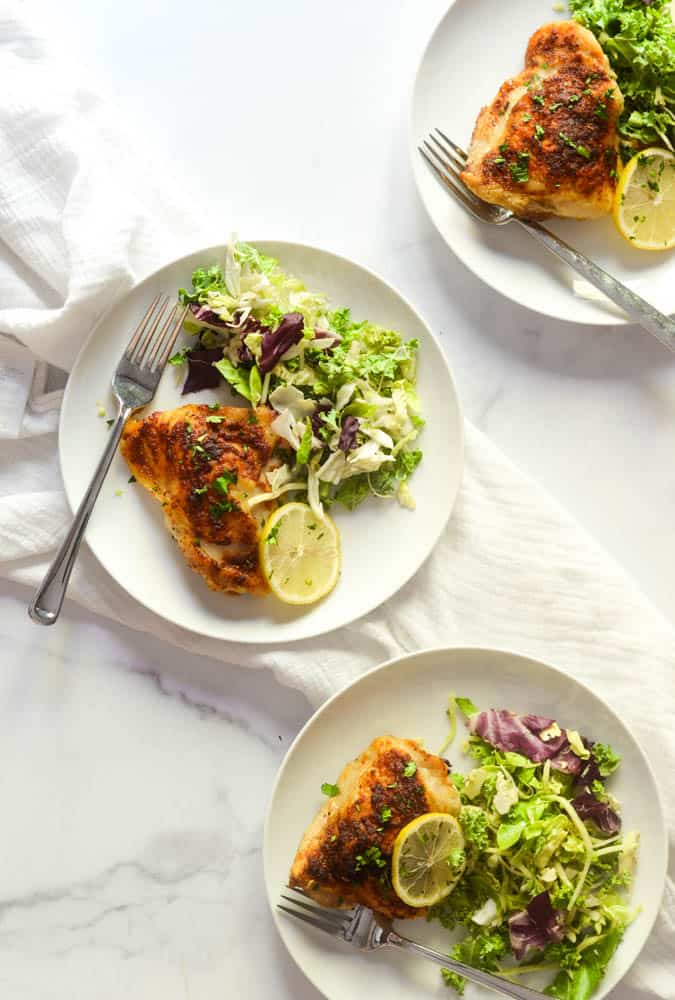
{"points": [[332, 922], [447, 160], [155, 335]]}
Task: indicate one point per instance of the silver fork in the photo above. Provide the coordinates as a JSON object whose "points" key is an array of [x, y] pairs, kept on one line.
{"points": [[447, 159], [367, 931], [134, 384]]}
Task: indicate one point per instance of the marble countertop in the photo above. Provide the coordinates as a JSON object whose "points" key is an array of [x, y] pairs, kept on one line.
{"points": [[133, 806]]}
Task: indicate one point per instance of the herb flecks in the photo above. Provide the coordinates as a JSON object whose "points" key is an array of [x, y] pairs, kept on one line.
{"points": [[371, 856], [577, 147], [520, 169]]}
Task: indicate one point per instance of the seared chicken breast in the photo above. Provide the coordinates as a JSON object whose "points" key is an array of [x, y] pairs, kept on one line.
{"points": [[345, 855], [202, 463], [548, 144]]}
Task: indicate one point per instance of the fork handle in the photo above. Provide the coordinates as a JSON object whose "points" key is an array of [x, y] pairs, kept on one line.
{"points": [[657, 323], [488, 979], [46, 605]]}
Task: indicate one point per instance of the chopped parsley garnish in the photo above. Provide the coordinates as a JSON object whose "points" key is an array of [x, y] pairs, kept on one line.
{"points": [[410, 769], [252, 419], [499, 159], [222, 483], [527, 117], [371, 856], [539, 132], [330, 790], [385, 815], [273, 535], [199, 491], [110, 423], [132, 479], [214, 420], [578, 148], [539, 99], [222, 507], [520, 169]]}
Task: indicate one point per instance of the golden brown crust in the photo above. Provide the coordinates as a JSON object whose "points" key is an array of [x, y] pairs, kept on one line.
{"points": [[345, 855], [202, 464], [548, 144]]}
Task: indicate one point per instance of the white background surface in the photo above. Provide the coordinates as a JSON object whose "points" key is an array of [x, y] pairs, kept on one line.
{"points": [[130, 863]]}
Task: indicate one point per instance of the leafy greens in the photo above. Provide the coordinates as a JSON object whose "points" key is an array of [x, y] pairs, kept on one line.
{"points": [[638, 38], [548, 866]]}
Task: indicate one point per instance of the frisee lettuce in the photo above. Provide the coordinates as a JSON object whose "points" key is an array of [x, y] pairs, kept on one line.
{"points": [[638, 38]]}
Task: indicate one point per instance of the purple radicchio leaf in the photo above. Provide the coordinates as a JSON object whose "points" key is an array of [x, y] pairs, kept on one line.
{"points": [[538, 724], [536, 926], [567, 762], [316, 418], [207, 317], [506, 731], [584, 770], [201, 373], [327, 335], [590, 772], [244, 353], [275, 343], [604, 817], [348, 432]]}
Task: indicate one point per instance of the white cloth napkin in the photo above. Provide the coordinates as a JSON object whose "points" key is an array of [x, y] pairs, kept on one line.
{"points": [[78, 225]]}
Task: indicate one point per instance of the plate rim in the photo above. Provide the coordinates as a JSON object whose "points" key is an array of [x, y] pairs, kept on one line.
{"points": [[598, 318], [440, 651], [460, 456]]}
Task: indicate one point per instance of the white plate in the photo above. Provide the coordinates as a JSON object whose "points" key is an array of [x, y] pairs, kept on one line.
{"points": [[476, 46], [127, 533], [407, 698]]}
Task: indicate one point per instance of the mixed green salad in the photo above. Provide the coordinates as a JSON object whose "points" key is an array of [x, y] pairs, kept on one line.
{"points": [[343, 390], [638, 38], [548, 867]]}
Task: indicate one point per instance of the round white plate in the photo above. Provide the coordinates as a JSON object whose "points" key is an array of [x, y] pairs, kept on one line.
{"points": [[476, 46], [407, 698], [383, 544]]}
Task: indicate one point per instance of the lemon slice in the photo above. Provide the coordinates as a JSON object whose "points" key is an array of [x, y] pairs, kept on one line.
{"points": [[644, 204], [300, 554], [428, 859]]}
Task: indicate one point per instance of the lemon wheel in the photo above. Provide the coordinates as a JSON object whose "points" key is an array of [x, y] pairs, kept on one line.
{"points": [[644, 204], [428, 859], [300, 554]]}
